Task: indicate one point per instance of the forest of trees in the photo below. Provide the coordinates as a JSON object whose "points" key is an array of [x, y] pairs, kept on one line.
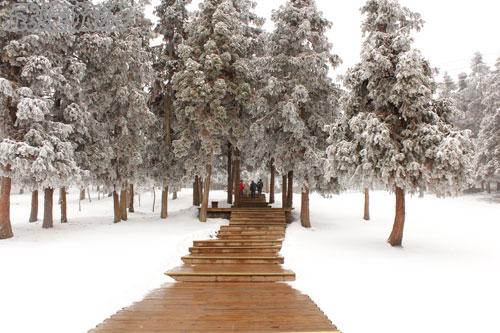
{"points": [[221, 95]]}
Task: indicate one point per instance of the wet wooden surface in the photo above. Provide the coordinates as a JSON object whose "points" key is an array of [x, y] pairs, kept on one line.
{"points": [[230, 284]]}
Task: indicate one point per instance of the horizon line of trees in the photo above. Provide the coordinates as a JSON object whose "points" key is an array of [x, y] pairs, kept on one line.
{"points": [[220, 95]]}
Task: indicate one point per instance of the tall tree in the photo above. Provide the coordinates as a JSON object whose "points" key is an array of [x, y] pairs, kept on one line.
{"points": [[118, 69], [394, 133], [488, 142], [293, 109], [471, 95], [214, 88]]}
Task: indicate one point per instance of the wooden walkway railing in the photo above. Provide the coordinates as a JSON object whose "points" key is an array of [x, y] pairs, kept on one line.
{"points": [[234, 283]]}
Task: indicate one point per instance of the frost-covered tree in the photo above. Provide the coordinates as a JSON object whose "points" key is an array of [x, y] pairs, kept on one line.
{"points": [[395, 134], [470, 99], [165, 168], [447, 87], [298, 97], [214, 87], [118, 69], [488, 142], [37, 150]]}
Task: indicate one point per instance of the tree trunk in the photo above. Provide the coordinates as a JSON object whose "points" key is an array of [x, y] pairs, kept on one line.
{"points": [[64, 210], [154, 199], [196, 190], [283, 191], [229, 174], [131, 199], [34, 206], [289, 198], [488, 187], [174, 195], [48, 221], [123, 203], [98, 192], [482, 185], [366, 215], [206, 192], [304, 209], [498, 186], [271, 185], [200, 191], [236, 179], [5, 226], [396, 237], [164, 200], [82, 193], [116, 207], [88, 193]]}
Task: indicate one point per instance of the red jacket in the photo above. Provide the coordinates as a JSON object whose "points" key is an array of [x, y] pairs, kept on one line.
{"points": [[242, 187]]}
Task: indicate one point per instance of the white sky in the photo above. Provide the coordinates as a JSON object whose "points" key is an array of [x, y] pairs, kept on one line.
{"points": [[453, 31]]}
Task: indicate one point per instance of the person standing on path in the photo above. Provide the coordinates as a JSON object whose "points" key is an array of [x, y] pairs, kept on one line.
{"points": [[260, 185], [253, 189]]}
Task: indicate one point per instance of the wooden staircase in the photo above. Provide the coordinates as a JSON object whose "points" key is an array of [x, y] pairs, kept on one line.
{"points": [[247, 250], [234, 283]]}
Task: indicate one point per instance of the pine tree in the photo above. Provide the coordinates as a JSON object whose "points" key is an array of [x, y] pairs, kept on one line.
{"points": [[488, 142], [214, 88], [294, 108], [471, 95], [118, 68], [394, 133]]}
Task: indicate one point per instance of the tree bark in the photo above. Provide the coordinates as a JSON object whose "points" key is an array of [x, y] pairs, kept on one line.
{"points": [[229, 174], [396, 237], [271, 185], [200, 191], [116, 207], [82, 193], [34, 206], [131, 199], [174, 195], [124, 202], [289, 197], [498, 186], [284, 191], [48, 205], [304, 209], [196, 190], [5, 225], [206, 192], [64, 210], [88, 193], [236, 179], [154, 199], [366, 215], [488, 187], [164, 201]]}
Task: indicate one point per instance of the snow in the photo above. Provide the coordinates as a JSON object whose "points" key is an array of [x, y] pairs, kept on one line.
{"points": [[445, 279], [70, 278]]}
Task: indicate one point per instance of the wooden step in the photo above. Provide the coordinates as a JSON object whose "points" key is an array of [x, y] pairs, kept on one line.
{"points": [[267, 228], [241, 258], [257, 237], [240, 249], [236, 243], [231, 273], [258, 220], [253, 232], [257, 223]]}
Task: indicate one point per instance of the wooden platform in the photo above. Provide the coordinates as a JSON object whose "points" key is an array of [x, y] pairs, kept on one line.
{"points": [[220, 307], [234, 283]]}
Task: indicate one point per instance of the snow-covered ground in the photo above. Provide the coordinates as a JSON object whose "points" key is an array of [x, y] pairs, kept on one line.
{"points": [[445, 279]]}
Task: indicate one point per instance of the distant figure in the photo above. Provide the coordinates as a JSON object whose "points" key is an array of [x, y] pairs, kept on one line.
{"points": [[242, 187], [253, 188], [260, 185]]}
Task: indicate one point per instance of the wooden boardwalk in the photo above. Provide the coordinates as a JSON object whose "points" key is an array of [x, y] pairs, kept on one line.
{"points": [[234, 283]]}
